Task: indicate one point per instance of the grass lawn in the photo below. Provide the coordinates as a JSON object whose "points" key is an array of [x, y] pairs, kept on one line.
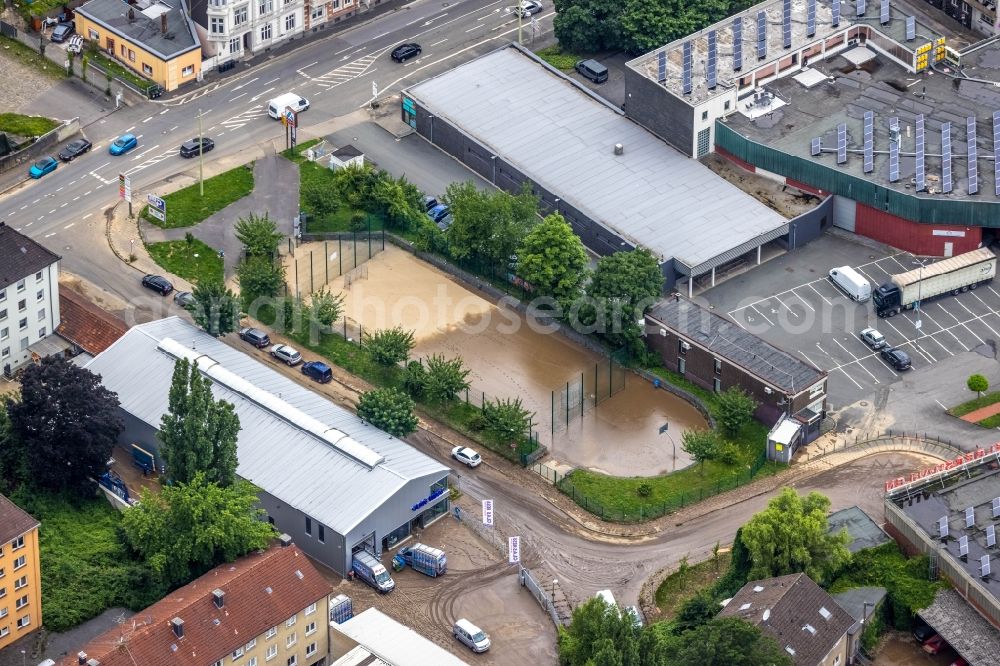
{"points": [[117, 69], [194, 261], [977, 403], [677, 587], [187, 207], [990, 421], [15, 123], [555, 56], [31, 58]]}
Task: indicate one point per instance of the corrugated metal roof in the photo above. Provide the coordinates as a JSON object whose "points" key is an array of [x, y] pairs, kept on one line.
{"points": [[564, 139], [286, 462], [944, 266]]}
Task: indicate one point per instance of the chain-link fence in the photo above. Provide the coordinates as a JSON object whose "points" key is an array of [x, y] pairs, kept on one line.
{"points": [[577, 396], [315, 264]]}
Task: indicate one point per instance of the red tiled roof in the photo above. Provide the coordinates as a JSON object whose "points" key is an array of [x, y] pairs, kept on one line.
{"points": [[14, 521], [87, 325], [261, 590]]}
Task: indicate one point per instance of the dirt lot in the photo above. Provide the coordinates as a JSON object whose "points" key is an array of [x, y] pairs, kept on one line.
{"points": [[479, 586], [20, 83], [788, 202], [512, 358]]}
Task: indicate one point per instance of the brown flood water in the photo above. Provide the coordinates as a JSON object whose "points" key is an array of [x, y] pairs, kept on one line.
{"points": [[509, 358]]}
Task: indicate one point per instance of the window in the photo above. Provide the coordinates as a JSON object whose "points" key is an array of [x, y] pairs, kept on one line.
{"points": [[681, 365], [717, 385], [336, 4], [5, 353], [240, 15], [2, 573], [3, 593], [290, 640], [290, 622], [322, 535], [124, 50], [234, 45], [726, 106], [22, 305], [703, 137], [309, 526], [38, 276], [131, 55], [42, 332], [311, 650], [293, 660], [317, 12], [219, 663], [21, 603], [147, 70], [272, 652], [682, 347], [3, 313], [23, 622], [20, 582], [3, 295], [265, 7], [238, 654], [290, 22], [20, 286], [252, 662], [704, 115], [187, 71], [41, 315], [217, 25], [265, 33], [24, 343], [310, 629], [93, 34], [4, 333], [3, 612], [252, 644], [19, 543], [271, 633], [310, 609], [40, 294], [718, 367]]}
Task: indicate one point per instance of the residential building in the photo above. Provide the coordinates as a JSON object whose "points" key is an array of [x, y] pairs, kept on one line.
{"points": [[29, 298], [20, 574], [268, 608], [335, 483], [156, 40], [88, 327], [617, 185], [373, 637], [797, 613], [717, 354]]}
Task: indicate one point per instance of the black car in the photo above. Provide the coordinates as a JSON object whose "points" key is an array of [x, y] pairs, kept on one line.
{"points": [[157, 283], [74, 149], [429, 202], [62, 32], [897, 358], [922, 632], [255, 336], [405, 52], [190, 148]]}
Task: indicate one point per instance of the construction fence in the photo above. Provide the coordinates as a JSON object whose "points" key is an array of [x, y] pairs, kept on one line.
{"points": [[315, 264], [579, 395]]}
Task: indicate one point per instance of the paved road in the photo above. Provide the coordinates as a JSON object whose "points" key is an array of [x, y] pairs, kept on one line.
{"points": [[64, 209]]}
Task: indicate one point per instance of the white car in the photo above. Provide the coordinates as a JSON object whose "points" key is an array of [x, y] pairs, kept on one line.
{"points": [[528, 8], [286, 354], [872, 338], [466, 456]]}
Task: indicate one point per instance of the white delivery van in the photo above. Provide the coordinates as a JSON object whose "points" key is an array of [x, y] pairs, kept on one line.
{"points": [[277, 106], [851, 283]]}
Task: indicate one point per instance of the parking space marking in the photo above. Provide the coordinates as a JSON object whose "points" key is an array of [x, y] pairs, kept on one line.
{"points": [[781, 303], [855, 359], [924, 313], [958, 322], [762, 315], [803, 301], [973, 314], [819, 294]]}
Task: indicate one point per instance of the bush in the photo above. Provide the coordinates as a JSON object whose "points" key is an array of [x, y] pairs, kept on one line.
{"points": [[979, 384], [644, 490], [735, 410], [359, 221]]}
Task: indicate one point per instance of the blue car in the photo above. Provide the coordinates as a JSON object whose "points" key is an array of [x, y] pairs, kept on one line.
{"points": [[42, 167], [123, 144]]}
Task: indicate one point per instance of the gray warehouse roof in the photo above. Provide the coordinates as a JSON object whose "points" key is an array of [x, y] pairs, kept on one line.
{"points": [[734, 343], [563, 138], [286, 461]]}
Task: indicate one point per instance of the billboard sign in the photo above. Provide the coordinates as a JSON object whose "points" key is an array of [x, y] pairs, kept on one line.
{"points": [[488, 513], [514, 549]]}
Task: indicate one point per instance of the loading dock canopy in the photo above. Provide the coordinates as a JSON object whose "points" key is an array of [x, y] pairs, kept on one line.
{"points": [[963, 628]]}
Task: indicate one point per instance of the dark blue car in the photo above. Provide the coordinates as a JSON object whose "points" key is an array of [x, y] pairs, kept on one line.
{"points": [[123, 144], [42, 167], [320, 372]]}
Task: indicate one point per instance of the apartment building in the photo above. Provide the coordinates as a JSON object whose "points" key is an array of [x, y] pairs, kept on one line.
{"points": [[20, 574], [29, 298], [269, 608]]}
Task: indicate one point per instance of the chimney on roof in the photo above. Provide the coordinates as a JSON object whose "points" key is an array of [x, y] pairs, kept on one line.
{"points": [[131, 14], [285, 540], [177, 625], [81, 657], [93, 662], [219, 597], [163, 23]]}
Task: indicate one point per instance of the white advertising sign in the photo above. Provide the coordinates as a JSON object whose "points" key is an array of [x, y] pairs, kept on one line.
{"points": [[514, 549], [488, 513]]}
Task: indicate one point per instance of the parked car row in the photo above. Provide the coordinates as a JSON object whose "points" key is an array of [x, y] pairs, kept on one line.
{"points": [[121, 145], [896, 358], [315, 370]]}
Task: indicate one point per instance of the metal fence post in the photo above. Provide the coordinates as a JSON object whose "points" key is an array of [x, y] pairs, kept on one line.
{"points": [[312, 286], [340, 254], [326, 260]]}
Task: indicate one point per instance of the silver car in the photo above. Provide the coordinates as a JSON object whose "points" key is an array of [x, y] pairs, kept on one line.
{"points": [[474, 637], [286, 354], [467, 456], [872, 338]]}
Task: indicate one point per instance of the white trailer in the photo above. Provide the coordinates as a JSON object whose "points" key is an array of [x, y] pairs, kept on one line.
{"points": [[948, 276]]}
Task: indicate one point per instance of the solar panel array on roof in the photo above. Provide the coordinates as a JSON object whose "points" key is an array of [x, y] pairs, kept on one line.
{"points": [[737, 44], [893, 150], [883, 17], [996, 153], [946, 157], [991, 536], [816, 146], [842, 143], [869, 141], [661, 66], [861, 8], [811, 18], [687, 68], [761, 35], [712, 59], [911, 28], [786, 23], [970, 139], [835, 13], [984, 566], [919, 162]]}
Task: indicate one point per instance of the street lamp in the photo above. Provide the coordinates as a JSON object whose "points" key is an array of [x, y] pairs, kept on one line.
{"points": [[664, 431]]}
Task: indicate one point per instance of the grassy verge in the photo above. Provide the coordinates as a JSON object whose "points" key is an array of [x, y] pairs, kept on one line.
{"points": [[679, 586], [187, 207], [977, 403], [119, 70], [15, 123], [555, 56], [192, 260], [15, 50]]}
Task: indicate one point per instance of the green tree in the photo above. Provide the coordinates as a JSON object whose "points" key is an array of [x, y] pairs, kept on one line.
{"points": [[553, 260], [389, 409], [626, 284], [488, 226], [598, 634], [259, 235], [259, 277], [389, 346], [188, 528], [215, 308], [727, 641], [13, 462], [198, 433], [735, 409], [318, 198], [445, 378], [399, 201], [701, 445], [67, 424], [791, 536], [415, 379], [696, 611], [587, 25], [979, 384], [355, 184], [504, 421], [326, 307]]}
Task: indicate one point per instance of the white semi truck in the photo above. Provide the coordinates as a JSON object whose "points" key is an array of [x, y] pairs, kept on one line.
{"points": [[948, 276]]}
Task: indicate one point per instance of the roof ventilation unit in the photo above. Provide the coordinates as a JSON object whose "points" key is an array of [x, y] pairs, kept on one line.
{"points": [[619, 149]]}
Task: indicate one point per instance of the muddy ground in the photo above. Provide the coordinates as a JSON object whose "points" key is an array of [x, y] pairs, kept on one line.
{"points": [[787, 201]]}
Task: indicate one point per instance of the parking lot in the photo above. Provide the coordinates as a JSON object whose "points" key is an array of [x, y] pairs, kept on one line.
{"points": [[814, 320]]}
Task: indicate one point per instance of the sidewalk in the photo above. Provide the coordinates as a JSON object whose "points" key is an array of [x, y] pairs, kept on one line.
{"points": [[982, 413]]}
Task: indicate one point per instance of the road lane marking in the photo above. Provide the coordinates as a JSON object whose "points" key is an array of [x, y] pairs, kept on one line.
{"points": [[148, 119], [164, 111], [64, 205], [100, 167], [76, 197], [130, 129], [52, 211], [238, 96], [476, 27], [938, 401], [257, 97], [36, 200], [60, 189], [69, 225], [24, 206], [244, 85], [87, 193], [271, 81], [86, 216], [145, 152], [52, 234], [441, 42], [172, 129]]}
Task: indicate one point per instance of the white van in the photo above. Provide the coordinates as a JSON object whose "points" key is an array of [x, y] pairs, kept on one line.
{"points": [[277, 106], [851, 283], [609, 599]]}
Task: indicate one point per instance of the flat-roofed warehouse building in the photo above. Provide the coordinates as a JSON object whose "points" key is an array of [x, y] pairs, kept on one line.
{"points": [[513, 119], [332, 482]]}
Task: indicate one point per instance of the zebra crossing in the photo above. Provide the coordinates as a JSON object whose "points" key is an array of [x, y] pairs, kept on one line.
{"points": [[241, 119], [344, 73]]}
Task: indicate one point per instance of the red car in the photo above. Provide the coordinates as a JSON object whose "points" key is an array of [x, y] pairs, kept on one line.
{"points": [[959, 662], [934, 644]]}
